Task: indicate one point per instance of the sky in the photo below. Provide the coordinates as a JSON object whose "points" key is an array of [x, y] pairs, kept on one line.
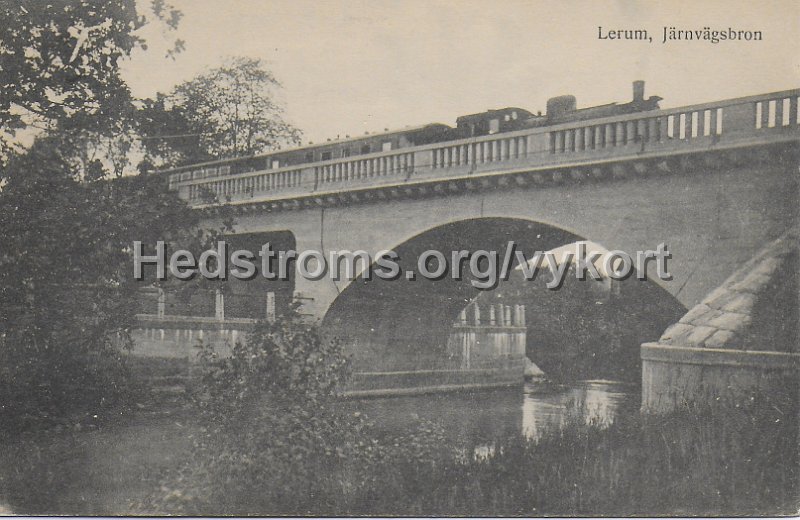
{"points": [[353, 66]]}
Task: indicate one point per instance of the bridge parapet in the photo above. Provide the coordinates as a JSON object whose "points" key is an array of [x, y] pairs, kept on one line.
{"points": [[741, 122]]}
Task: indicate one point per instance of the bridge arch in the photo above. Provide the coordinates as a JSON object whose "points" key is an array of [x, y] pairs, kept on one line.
{"points": [[402, 324]]}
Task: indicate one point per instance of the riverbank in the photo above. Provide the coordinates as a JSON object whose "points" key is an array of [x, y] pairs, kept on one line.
{"points": [[726, 461], [94, 471], [730, 462]]}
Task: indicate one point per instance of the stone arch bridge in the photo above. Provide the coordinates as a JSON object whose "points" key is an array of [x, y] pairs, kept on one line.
{"points": [[714, 182]]}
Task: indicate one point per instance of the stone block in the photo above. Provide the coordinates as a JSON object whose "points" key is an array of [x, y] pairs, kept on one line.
{"points": [[742, 303], [677, 330], [730, 321], [707, 317], [723, 298], [694, 313], [715, 294], [752, 284], [698, 336], [720, 339], [766, 267]]}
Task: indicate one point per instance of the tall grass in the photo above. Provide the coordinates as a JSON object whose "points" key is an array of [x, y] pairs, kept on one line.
{"points": [[740, 460]]}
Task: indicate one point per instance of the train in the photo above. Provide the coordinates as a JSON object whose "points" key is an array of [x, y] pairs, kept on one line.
{"points": [[559, 109]]}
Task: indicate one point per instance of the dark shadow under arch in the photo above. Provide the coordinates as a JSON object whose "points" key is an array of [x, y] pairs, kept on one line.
{"points": [[589, 329], [403, 325]]}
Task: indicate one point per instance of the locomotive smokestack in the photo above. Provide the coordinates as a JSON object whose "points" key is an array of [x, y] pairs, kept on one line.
{"points": [[559, 106], [638, 90]]}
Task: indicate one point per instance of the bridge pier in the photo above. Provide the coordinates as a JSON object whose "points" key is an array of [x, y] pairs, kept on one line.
{"points": [[477, 356]]}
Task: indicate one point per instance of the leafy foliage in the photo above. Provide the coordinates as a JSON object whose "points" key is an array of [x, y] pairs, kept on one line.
{"points": [[60, 64], [738, 460], [286, 361], [228, 111], [273, 404], [67, 293]]}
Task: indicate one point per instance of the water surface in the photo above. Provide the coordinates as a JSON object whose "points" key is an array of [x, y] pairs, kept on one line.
{"points": [[483, 416]]}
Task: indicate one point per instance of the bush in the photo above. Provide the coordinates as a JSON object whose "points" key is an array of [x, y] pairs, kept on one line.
{"points": [[60, 384], [275, 433], [294, 459], [68, 297]]}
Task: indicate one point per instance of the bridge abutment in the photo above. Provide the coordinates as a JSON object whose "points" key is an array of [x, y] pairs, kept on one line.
{"points": [[740, 342]]}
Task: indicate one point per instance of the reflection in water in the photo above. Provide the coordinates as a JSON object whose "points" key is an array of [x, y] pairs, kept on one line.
{"points": [[481, 417], [592, 401]]}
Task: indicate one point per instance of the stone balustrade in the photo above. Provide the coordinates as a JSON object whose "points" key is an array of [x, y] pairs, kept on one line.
{"points": [[488, 336], [720, 125]]}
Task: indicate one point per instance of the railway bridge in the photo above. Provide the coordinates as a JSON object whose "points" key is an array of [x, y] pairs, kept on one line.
{"points": [[715, 182]]}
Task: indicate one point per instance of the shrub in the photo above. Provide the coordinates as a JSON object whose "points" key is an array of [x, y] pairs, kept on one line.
{"points": [[277, 441]]}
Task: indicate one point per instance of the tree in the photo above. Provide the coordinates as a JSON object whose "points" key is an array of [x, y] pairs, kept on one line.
{"points": [[67, 294], [226, 112], [68, 297], [60, 64]]}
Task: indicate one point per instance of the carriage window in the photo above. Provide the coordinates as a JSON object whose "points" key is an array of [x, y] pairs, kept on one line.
{"points": [[276, 163], [326, 156], [365, 148], [346, 152], [386, 146], [309, 156], [494, 126]]}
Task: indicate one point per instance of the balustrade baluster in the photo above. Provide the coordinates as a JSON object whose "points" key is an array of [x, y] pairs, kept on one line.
{"points": [[619, 134], [686, 125], [630, 132], [771, 109], [558, 141], [782, 114], [699, 127]]}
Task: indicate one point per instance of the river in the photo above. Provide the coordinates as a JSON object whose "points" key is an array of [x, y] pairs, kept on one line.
{"points": [[483, 416]]}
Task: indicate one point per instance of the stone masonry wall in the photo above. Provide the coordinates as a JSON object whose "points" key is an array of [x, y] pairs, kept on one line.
{"points": [[739, 340]]}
